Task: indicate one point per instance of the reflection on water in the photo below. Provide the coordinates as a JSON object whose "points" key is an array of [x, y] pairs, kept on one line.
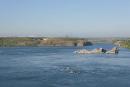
{"points": [[59, 67]]}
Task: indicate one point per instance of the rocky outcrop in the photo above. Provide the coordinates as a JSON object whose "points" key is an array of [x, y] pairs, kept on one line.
{"points": [[114, 50]]}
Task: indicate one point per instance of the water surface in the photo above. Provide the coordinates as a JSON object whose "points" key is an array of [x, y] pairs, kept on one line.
{"points": [[60, 67]]}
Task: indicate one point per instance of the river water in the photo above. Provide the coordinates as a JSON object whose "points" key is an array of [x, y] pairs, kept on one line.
{"points": [[60, 67]]}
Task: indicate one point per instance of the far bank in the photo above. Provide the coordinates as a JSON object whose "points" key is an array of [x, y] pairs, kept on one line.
{"points": [[42, 41]]}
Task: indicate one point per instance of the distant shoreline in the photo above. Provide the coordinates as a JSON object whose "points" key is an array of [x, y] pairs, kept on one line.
{"points": [[42, 41], [59, 41]]}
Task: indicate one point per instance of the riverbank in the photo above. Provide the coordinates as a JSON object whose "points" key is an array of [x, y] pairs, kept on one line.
{"points": [[123, 43], [42, 41]]}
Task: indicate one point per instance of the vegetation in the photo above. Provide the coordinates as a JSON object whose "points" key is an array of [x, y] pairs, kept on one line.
{"points": [[123, 43], [126, 43], [4, 42], [42, 41]]}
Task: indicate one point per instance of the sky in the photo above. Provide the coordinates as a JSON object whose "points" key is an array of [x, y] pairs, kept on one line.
{"points": [[61, 18]]}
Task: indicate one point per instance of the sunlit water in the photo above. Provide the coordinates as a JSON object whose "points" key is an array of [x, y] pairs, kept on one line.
{"points": [[60, 67]]}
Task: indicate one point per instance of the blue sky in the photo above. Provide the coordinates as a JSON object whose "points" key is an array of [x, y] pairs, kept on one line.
{"points": [[77, 18]]}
